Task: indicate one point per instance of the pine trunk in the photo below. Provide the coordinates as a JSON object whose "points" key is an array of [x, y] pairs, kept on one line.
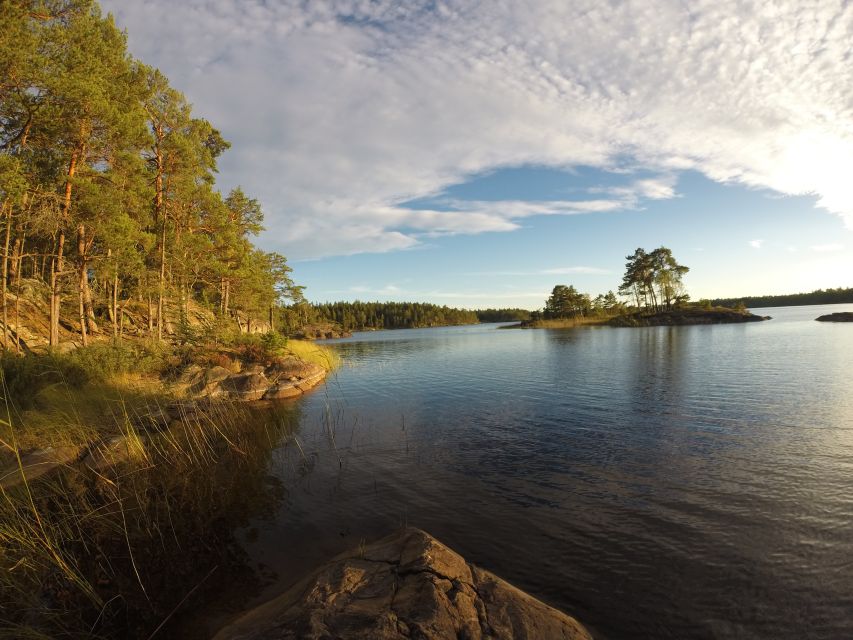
{"points": [[57, 263]]}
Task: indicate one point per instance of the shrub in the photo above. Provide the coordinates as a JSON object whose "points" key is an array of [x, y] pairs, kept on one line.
{"points": [[24, 377]]}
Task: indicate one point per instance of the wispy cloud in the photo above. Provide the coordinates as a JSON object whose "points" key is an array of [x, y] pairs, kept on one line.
{"points": [[826, 248], [756, 244], [340, 110], [557, 271]]}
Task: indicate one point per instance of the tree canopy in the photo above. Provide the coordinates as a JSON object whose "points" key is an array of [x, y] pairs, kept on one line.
{"points": [[653, 280], [107, 183]]}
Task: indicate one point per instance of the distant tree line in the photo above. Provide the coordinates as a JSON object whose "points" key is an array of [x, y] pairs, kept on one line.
{"points": [[358, 316], [502, 315], [107, 183], [819, 296]]}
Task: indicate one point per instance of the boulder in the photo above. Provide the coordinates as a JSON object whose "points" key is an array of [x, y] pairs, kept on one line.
{"points": [[407, 585], [245, 386], [209, 383], [290, 367]]}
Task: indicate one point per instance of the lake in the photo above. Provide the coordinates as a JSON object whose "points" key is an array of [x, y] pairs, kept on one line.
{"points": [[664, 482]]}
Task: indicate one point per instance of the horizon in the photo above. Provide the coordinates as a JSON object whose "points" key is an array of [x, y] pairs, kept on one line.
{"points": [[475, 156]]}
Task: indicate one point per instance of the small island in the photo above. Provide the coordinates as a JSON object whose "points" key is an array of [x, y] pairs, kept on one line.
{"points": [[840, 316], [652, 294]]}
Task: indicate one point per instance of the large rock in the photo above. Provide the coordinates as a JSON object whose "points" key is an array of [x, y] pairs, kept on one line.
{"points": [[405, 586], [245, 386], [209, 382]]}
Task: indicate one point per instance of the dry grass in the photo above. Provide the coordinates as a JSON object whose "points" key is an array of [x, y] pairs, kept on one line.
{"points": [[315, 353]]}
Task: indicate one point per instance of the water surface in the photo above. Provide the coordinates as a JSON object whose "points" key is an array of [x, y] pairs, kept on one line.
{"points": [[663, 482]]}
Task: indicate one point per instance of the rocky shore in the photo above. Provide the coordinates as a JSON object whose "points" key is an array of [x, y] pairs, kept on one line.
{"points": [[407, 585], [687, 316], [841, 316], [284, 377], [196, 387]]}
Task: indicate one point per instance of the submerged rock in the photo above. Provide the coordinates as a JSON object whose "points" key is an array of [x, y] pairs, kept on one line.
{"points": [[407, 585], [841, 316]]}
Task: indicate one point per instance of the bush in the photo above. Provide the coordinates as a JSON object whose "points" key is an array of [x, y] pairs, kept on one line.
{"points": [[105, 360], [254, 347], [24, 377]]}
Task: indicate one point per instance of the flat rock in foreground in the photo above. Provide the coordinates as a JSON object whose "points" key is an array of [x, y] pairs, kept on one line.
{"points": [[407, 585], [841, 316]]}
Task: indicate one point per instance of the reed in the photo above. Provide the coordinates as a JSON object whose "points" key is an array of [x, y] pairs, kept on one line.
{"points": [[100, 547]]}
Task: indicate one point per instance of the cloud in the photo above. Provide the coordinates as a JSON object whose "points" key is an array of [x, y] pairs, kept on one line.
{"points": [[339, 111], [756, 244], [826, 248], [546, 272]]}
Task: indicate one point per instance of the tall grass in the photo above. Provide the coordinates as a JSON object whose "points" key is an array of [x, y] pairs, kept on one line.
{"points": [[115, 545], [315, 353]]}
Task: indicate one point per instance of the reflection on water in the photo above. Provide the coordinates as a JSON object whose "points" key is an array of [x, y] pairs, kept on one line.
{"points": [[655, 482]]}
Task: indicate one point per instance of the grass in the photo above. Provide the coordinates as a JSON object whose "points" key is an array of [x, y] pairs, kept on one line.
{"points": [[565, 323], [137, 521], [113, 547], [314, 353]]}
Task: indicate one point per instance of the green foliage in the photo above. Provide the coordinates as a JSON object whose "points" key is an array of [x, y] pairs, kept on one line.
{"points": [[104, 361], [107, 174], [653, 279], [502, 315], [24, 378], [357, 316]]}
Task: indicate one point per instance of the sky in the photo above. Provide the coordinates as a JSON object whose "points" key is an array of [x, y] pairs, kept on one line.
{"points": [[477, 152]]}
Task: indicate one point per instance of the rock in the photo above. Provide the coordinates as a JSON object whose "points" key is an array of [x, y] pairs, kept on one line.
{"points": [[253, 368], [290, 368], [245, 386], [37, 463], [282, 391], [115, 450], [191, 375], [841, 316], [209, 384], [405, 586], [293, 378]]}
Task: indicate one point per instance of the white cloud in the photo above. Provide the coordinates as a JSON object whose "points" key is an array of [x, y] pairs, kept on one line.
{"points": [[580, 270], [341, 110], [756, 244], [826, 248]]}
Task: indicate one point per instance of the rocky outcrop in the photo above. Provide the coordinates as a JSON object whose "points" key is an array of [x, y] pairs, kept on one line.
{"points": [[686, 316], [408, 585], [283, 378], [841, 316]]}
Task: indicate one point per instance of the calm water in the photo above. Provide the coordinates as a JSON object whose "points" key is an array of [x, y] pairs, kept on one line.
{"points": [[672, 482]]}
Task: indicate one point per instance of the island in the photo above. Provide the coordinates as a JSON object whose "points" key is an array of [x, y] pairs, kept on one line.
{"points": [[840, 316]]}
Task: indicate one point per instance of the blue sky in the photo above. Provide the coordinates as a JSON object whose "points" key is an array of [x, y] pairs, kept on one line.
{"points": [[736, 240], [477, 153]]}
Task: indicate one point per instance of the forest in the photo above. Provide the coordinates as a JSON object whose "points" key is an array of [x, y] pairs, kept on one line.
{"points": [[819, 296], [359, 316], [107, 186]]}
